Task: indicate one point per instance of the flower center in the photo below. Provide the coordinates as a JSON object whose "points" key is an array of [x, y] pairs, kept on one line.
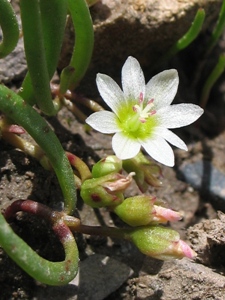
{"points": [[141, 114], [137, 120], [144, 112]]}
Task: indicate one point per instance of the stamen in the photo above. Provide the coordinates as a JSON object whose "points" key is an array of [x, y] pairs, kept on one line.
{"points": [[141, 98], [150, 101], [152, 112], [144, 112]]}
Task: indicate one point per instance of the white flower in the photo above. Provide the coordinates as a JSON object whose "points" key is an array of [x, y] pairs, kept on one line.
{"points": [[142, 113]]}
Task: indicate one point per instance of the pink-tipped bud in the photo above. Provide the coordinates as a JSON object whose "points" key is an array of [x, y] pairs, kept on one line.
{"points": [[185, 250], [161, 243], [136, 211], [140, 210], [163, 214]]}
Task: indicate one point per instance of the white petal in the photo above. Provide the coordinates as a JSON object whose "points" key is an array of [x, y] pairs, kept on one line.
{"points": [[133, 81], [171, 137], [103, 121], [162, 88], [110, 91], [124, 147], [160, 150], [179, 115]]}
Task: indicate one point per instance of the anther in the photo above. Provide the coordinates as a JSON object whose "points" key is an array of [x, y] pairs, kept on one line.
{"points": [[141, 98]]}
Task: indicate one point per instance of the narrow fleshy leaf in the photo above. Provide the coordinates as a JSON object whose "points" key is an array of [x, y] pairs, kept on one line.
{"points": [[162, 88], [133, 80], [110, 91], [103, 121], [179, 115], [124, 147]]}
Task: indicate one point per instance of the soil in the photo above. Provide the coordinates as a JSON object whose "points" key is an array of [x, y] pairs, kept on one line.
{"points": [[22, 177]]}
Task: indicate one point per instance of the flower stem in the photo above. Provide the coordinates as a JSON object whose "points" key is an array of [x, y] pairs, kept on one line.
{"points": [[10, 28], [80, 166], [118, 233], [13, 106]]}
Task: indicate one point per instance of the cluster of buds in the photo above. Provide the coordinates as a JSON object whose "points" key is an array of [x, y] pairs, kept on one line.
{"points": [[146, 172], [143, 212], [107, 184]]}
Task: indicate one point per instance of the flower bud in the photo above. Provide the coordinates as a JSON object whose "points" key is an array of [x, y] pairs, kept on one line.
{"points": [[147, 173], [160, 242], [140, 210], [110, 164], [106, 190]]}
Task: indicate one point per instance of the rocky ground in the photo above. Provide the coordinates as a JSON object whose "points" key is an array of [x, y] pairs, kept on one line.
{"points": [[113, 269]]}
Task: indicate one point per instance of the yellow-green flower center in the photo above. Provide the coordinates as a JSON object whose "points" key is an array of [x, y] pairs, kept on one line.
{"points": [[137, 120]]}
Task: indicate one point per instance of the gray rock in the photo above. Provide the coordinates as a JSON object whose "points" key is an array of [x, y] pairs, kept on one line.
{"points": [[203, 176], [100, 276], [144, 29]]}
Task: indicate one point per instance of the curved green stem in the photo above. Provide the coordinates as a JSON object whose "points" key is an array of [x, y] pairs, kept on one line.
{"points": [[35, 55], [190, 35], [80, 166], [13, 106], [84, 40], [215, 74], [52, 273], [218, 30], [113, 232], [10, 28]]}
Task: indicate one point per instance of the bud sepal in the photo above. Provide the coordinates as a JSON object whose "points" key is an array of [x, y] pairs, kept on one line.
{"points": [[160, 242]]}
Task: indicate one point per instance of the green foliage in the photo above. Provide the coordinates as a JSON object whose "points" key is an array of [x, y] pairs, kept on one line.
{"points": [[10, 28]]}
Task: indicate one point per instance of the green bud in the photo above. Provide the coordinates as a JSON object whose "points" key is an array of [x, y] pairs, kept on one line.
{"points": [[136, 211], [141, 210], [160, 242], [105, 166], [105, 191], [99, 197]]}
